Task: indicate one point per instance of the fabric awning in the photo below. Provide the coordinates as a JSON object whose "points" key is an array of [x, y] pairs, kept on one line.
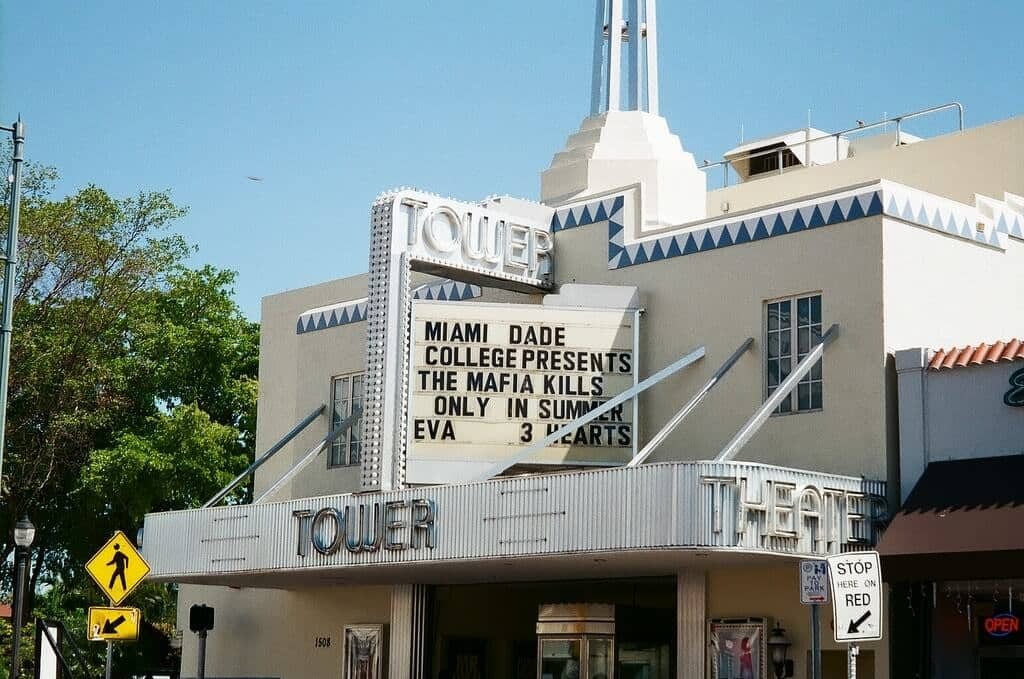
{"points": [[963, 520]]}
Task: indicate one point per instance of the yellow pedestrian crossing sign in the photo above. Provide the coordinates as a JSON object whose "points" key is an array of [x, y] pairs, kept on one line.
{"points": [[113, 624], [117, 568]]}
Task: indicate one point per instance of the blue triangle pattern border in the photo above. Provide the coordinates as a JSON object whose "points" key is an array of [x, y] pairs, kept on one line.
{"points": [[354, 311], [585, 214], [893, 200], [725, 234]]}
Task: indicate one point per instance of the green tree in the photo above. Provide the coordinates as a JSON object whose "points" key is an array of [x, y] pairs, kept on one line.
{"points": [[133, 388]]}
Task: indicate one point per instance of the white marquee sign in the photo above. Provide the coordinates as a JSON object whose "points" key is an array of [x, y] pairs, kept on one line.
{"points": [[488, 379]]}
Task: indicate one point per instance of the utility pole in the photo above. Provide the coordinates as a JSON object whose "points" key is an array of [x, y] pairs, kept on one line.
{"points": [[10, 260]]}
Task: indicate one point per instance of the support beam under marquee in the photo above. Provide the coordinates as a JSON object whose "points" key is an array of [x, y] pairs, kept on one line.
{"points": [[408, 635], [691, 623]]}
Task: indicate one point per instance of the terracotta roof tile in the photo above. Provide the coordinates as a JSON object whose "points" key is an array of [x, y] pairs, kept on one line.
{"points": [[978, 354]]}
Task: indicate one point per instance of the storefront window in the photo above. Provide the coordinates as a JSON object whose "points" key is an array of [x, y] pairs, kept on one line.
{"points": [[560, 659]]}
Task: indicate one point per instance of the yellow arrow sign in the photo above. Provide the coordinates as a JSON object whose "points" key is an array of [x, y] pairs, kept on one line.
{"points": [[113, 624], [117, 568]]}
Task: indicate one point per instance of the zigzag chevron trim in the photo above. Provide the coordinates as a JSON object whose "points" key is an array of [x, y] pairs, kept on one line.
{"points": [[609, 209], [451, 291], [888, 198], [331, 316], [354, 311]]}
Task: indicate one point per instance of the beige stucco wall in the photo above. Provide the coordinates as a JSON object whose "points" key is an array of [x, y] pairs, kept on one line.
{"points": [[272, 633], [716, 299], [983, 160], [295, 372]]}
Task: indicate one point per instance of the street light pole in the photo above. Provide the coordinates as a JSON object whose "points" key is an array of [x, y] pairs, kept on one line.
{"points": [[24, 534], [10, 259]]}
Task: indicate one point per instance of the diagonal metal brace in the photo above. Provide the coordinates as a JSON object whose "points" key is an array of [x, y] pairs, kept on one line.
{"points": [[690, 406], [235, 482], [761, 415], [524, 455], [343, 427]]}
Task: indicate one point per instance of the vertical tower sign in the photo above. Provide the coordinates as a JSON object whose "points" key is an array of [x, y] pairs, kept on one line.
{"points": [[625, 57], [503, 244], [489, 379]]}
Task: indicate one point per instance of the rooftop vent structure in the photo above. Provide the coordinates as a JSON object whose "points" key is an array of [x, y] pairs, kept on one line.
{"points": [[770, 156], [777, 154]]}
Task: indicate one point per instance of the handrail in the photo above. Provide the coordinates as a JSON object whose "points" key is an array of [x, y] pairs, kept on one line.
{"points": [[44, 628], [898, 120], [306, 421]]}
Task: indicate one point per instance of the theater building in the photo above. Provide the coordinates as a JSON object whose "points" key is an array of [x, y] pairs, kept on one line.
{"points": [[594, 435]]}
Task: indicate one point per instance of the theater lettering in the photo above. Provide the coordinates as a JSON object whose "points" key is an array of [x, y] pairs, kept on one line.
{"points": [[823, 518], [367, 527], [475, 238]]}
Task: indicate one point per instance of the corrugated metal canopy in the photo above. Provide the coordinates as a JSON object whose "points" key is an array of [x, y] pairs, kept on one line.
{"points": [[649, 519]]}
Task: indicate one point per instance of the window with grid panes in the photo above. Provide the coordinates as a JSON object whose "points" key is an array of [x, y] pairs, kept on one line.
{"points": [[346, 393], [793, 329]]}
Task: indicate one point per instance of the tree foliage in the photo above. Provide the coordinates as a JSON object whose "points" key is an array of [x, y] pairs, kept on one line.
{"points": [[132, 387]]}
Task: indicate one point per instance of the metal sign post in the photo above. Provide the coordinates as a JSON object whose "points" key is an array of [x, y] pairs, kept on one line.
{"points": [[110, 658], [200, 621], [851, 660], [201, 669], [815, 641], [814, 592], [10, 262]]}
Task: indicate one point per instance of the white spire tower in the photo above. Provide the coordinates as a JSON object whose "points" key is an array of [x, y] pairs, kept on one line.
{"points": [[624, 141], [632, 49]]}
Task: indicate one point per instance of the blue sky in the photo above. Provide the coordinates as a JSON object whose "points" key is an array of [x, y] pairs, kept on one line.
{"points": [[332, 102]]}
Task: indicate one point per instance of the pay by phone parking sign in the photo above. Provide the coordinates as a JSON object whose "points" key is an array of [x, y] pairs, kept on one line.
{"points": [[813, 582], [856, 580]]}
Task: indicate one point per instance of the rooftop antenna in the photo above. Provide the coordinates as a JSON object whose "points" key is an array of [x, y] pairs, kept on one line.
{"points": [[625, 38], [741, 133]]}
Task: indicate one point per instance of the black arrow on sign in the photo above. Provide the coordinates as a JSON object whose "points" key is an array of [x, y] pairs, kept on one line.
{"points": [[855, 624], [110, 626]]}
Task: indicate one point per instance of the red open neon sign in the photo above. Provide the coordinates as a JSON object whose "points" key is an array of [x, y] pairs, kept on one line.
{"points": [[1002, 625]]}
